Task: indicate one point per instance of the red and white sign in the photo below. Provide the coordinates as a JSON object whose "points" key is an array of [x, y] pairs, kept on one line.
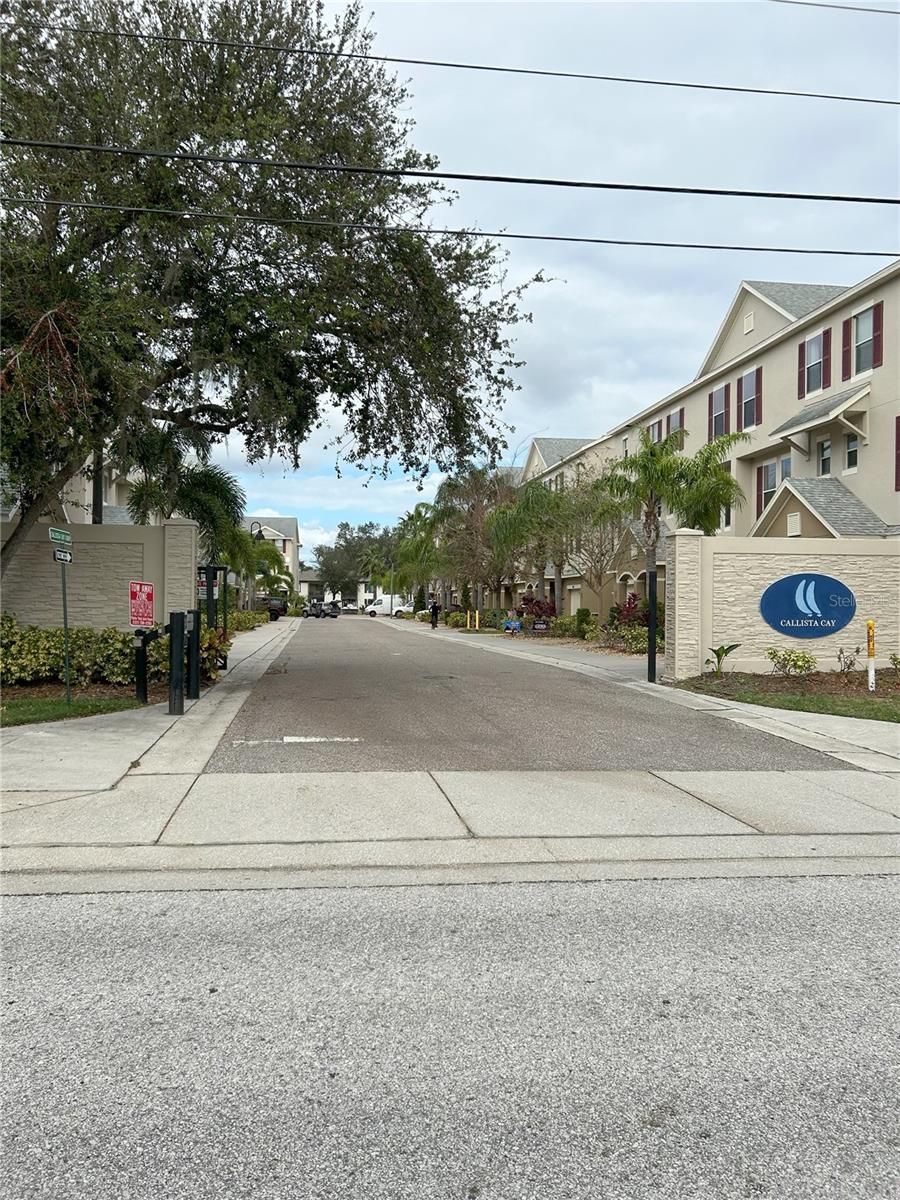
{"points": [[141, 603], [201, 587]]}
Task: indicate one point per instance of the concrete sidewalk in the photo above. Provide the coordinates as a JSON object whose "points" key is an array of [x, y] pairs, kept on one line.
{"points": [[93, 753]]}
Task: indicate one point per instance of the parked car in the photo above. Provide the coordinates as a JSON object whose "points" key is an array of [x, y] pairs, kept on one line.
{"points": [[319, 608], [276, 606], [404, 610], [349, 606], [384, 606]]}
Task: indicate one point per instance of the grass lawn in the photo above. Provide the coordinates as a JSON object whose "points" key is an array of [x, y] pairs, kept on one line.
{"points": [[824, 692], [25, 711]]}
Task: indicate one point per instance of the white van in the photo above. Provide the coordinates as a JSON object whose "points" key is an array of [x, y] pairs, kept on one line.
{"points": [[383, 606]]}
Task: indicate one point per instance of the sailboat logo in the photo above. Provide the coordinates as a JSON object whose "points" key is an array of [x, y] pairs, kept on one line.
{"points": [[805, 598]]}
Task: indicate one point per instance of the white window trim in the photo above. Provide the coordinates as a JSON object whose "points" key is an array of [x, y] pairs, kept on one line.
{"points": [[853, 315], [819, 390], [772, 462], [756, 421], [819, 443]]}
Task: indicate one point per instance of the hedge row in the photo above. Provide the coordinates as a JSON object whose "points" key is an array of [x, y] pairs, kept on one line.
{"points": [[29, 654]]}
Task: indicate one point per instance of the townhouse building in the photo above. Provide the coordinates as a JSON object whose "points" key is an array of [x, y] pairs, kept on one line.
{"points": [[284, 534], [809, 372]]}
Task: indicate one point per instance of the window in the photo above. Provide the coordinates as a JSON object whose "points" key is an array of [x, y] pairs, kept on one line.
{"points": [[718, 411], [794, 527], [814, 363], [851, 452], [655, 430], [747, 388], [625, 446], [785, 467], [675, 424], [863, 341], [824, 456], [766, 483]]}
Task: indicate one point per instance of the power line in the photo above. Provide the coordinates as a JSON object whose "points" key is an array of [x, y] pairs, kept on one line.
{"points": [[417, 173], [885, 12], [459, 66], [261, 219]]}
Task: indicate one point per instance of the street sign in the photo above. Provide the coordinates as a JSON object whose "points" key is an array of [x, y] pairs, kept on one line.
{"points": [[61, 536], [201, 588], [807, 605], [62, 556], [140, 601]]}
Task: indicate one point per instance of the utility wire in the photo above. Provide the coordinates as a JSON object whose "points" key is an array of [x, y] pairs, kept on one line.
{"points": [[885, 12], [459, 66], [37, 202], [414, 173]]}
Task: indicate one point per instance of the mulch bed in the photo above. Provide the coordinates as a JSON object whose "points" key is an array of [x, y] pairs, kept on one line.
{"points": [[96, 691], [822, 683]]}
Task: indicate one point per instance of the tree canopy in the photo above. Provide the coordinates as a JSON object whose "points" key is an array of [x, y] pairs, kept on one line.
{"points": [[115, 317]]}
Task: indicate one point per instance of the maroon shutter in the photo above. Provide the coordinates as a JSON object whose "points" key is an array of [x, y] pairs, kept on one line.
{"points": [[739, 407], [826, 357], [897, 455], [801, 370], [759, 498], [681, 427], [759, 395], [728, 408], [878, 334], [845, 348], [710, 421], [668, 424]]}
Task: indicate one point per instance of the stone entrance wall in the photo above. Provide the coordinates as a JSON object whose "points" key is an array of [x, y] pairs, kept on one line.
{"points": [[106, 559], [714, 586]]}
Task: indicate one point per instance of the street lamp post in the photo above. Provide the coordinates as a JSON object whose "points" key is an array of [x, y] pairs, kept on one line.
{"points": [[259, 536]]}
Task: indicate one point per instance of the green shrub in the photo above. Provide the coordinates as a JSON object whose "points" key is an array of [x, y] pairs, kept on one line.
{"points": [[894, 660], [420, 603], [791, 662], [456, 620], [423, 615], [636, 640], [29, 654], [582, 618], [564, 627]]}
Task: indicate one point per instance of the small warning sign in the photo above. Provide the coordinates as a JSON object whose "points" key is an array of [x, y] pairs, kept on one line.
{"points": [[141, 603]]}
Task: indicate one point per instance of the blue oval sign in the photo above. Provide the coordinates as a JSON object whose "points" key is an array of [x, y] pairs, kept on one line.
{"points": [[808, 605]]}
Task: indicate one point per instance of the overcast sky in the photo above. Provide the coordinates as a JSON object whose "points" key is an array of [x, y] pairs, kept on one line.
{"points": [[618, 328]]}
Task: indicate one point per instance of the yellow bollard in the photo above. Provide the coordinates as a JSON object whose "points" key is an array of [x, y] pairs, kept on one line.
{"points": [[477, 620], [468, 619], [870, 652]]}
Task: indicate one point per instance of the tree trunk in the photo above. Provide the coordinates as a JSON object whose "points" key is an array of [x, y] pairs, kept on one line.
{"points": [[33, 509], [541, 590], [558, 589], [97, 489]]}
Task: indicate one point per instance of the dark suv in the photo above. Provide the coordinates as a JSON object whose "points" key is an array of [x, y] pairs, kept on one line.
{"points": [[276, 606]]}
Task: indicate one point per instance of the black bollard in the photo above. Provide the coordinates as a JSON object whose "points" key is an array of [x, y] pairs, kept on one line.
{"points": [[193, 667], [176, 663], [140, 667]]}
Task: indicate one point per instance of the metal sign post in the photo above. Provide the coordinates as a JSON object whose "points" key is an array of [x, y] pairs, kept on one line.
{"points": [[870, 653], [62, 537]]}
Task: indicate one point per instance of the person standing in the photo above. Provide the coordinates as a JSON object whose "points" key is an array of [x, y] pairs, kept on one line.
{"points": [[434, 609]]}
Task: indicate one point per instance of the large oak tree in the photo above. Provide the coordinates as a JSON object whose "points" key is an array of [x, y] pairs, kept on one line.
{"points": [[114, 318]]}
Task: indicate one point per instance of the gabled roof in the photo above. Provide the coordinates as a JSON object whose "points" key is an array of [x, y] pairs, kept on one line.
{"points": [[820, 411], [286, 526], [791, 301], [796, 300], [834, 505], [554, 450]]}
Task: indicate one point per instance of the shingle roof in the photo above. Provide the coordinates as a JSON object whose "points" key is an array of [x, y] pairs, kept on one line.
{"points": [[553, 450], [839, 508], [286, 526], [798, 299], [819, 410], [116, 514]]}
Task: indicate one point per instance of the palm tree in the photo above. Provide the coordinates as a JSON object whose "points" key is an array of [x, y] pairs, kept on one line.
{"points": [[462, 506], [695, 489], [170, 483]]}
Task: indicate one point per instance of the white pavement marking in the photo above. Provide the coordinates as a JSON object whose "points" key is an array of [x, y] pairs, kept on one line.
{"points": [[280, 741]]}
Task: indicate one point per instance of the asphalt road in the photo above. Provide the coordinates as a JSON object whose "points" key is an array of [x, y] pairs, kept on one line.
{"points": [[703, 1040], [405, 702]]}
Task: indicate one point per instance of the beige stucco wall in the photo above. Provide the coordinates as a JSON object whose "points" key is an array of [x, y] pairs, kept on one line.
{"points": [[776, 521], [106, 559], [715, 585], [766, 321]]}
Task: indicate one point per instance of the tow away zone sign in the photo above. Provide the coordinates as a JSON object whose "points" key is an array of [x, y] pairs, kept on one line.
{"points": [[140, 602]]}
